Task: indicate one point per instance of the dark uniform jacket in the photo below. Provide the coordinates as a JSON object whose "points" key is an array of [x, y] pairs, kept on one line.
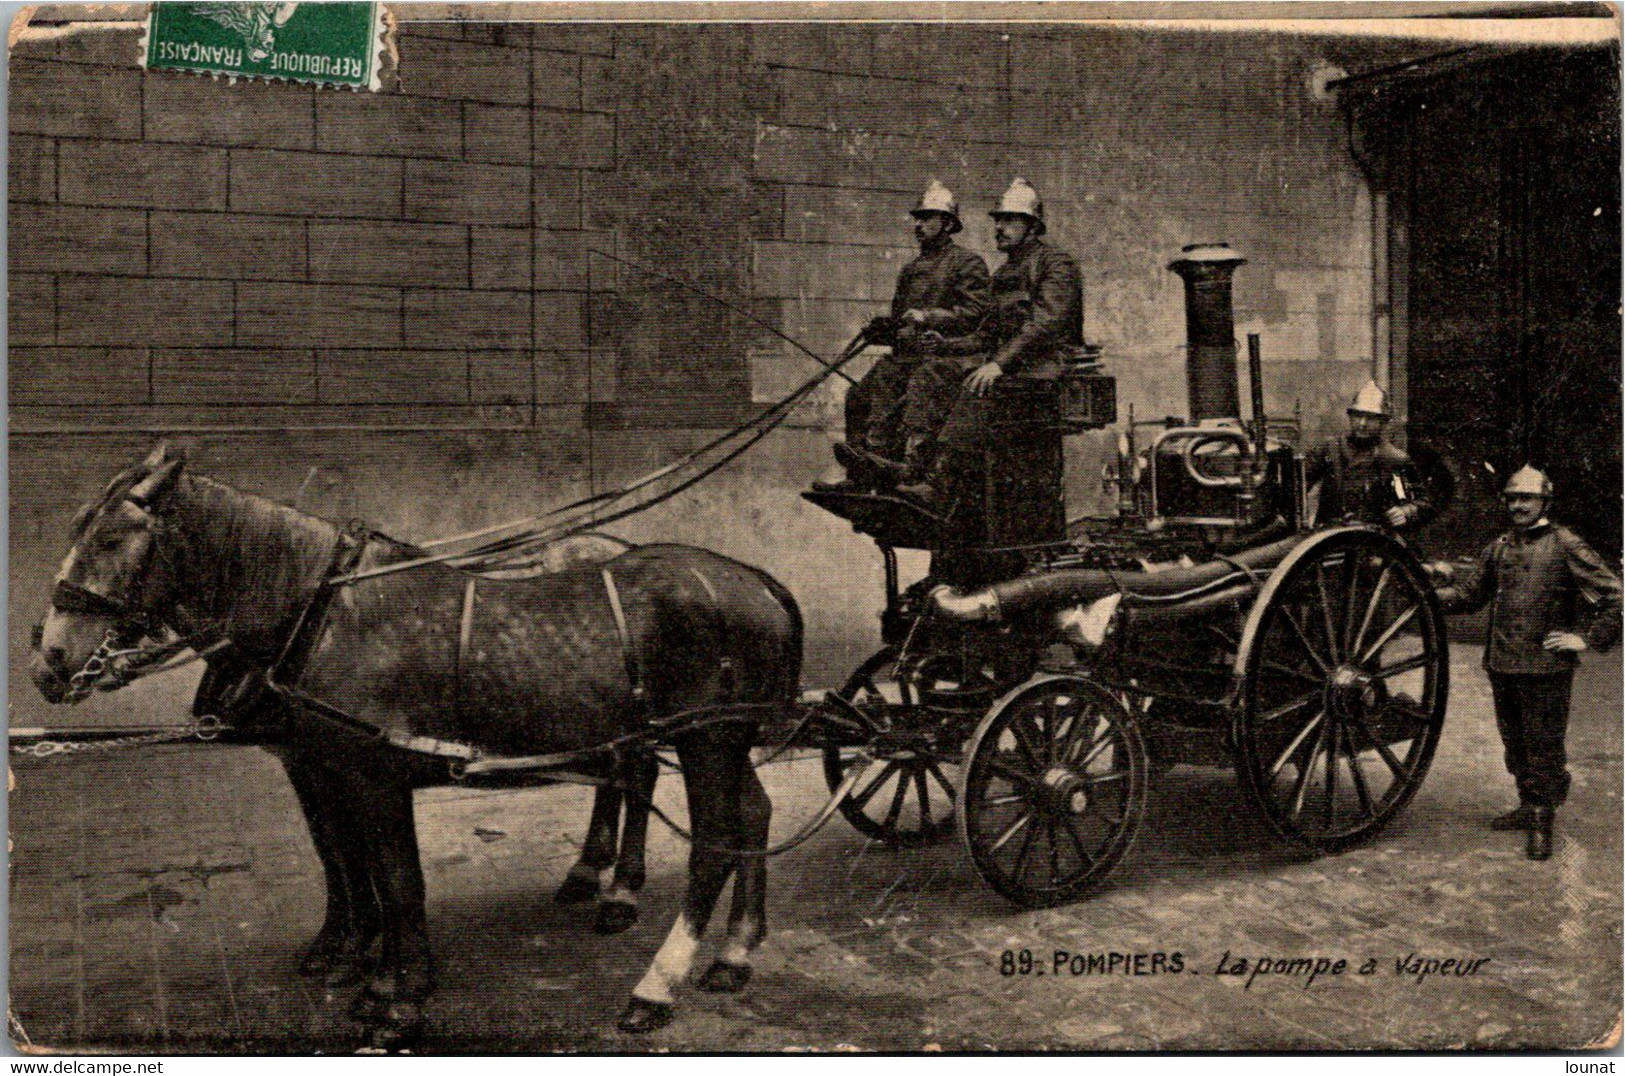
{"points": [[949, 284], [1533, 579], [1037, 309], [1360, 483]]}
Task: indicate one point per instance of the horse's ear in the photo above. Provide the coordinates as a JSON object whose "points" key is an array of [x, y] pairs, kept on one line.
{"points": [[155, 459], [157, 483]]}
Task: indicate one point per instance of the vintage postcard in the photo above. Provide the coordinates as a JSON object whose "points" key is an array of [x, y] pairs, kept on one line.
{"points": [[779, 528]]}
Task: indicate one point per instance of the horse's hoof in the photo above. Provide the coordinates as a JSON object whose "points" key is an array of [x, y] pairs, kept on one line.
{"points": [[576, 890], [641, 1017], [724, 978], [615, 916]]}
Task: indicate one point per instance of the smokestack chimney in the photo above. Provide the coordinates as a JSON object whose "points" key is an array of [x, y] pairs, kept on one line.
{"points": [[1210, 326]]}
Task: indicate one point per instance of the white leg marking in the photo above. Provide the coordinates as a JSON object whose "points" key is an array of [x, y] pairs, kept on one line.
{"points": [[620, 894], [671, 965], [736, 950]]}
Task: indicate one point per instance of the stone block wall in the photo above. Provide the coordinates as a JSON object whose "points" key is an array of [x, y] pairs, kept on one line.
{"points": [[388, 305]]}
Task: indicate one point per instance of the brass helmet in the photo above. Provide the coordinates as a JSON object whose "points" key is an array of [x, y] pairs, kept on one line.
{"points": [[939, 199], [1370, 400], [1021, 201], [1529, 480]]}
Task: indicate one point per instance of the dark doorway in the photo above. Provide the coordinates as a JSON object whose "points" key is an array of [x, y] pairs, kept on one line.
{"points": [[1504, 184]]}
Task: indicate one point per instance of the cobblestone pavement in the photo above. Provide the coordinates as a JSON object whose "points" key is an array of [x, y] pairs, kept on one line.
{"points": [[161, 899]]}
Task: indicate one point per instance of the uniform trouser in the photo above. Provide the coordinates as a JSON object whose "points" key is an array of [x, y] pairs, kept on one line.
{"points": [[1532, 713], [902, 401]]}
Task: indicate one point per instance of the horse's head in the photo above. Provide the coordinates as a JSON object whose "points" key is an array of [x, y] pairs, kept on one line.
{"points": [[105, 596]]}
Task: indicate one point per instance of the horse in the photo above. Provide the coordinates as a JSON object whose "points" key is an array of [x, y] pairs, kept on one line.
{"points": [[234, 692], [378, 677]]}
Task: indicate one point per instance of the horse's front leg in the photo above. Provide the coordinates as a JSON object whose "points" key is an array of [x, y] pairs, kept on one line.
{"points": [[339, 951], [618, 909], [747, 919], [713, 761], [392, 1001]]}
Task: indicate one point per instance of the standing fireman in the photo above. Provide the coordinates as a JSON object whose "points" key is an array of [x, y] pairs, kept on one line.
{"points": [[1036, 321], [1363, 478], [893, 414], [1533, 578]]}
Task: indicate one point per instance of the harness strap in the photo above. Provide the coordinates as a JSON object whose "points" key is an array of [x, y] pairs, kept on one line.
{"points": [[634, 668]]}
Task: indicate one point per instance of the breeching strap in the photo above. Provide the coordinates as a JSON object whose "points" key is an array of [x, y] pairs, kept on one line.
{"points": [[634, 668]]}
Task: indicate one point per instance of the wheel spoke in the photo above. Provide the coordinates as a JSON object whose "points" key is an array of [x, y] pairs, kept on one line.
{"points": [[1291, 707], [861, 799], [1308, 727], [1307, 767], [1084, 858], [1287, 670], [1371, 608], [1033, 756], [1400, 770], [1026, 847], [1011, 774], [1303, 640], [1420, 661], [1358, 774], [1094, 752], [942, 778], [1015, 827], [1392, 630], [925, 797], [1333, 644], [1104, 778], [896, 810], [1351, 593]]}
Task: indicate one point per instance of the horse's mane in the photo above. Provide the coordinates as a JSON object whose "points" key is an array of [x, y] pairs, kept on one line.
{"points": [[242, 562]]}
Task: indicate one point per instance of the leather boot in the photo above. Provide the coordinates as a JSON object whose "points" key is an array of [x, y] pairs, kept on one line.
{"points": [[1514, 820], [857, 480], [1540, 832]]}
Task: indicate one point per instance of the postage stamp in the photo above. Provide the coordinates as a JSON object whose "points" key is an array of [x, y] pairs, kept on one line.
{"points": [[339, 44], [812, 529]]}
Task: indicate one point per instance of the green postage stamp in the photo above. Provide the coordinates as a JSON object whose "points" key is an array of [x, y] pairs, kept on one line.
{"points": [[338, 44]]}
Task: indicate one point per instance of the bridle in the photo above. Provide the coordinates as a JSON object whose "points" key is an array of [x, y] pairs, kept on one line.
{"points": [[122, 658]]}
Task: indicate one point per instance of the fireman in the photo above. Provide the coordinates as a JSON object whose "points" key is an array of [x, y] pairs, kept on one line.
{"points": [[893, 414], [1035, 322], [1533, 577], [1365, 479]]}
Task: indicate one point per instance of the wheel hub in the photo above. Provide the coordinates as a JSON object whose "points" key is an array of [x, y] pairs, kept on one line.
{"points": [[1354, 693], [1064, 791]]}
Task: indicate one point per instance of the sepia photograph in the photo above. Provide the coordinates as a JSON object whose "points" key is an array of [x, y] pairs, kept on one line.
{"points": [[777, 527]]}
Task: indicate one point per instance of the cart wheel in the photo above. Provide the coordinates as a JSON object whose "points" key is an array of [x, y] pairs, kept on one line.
{"points": [[1054, 789], [906, 797], [1344, 670]]}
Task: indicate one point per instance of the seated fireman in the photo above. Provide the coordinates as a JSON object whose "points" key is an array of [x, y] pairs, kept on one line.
{"points": [[1036, 320], [1365, 479], [893, 414]]}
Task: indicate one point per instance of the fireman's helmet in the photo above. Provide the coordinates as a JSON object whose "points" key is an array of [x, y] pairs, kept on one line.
{"points": [[1528, 480], [1021, 201], [1370, 400], [939, 199]]}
